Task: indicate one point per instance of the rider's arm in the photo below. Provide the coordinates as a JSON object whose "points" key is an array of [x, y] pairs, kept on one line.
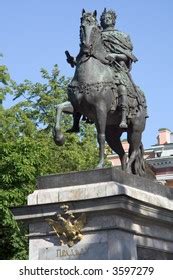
{"points": [[70, 59], [117, 57], [121, 57]]}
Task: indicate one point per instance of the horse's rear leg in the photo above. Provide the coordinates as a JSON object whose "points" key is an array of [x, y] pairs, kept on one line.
{"points": [[134, 139], [101, 116], [113, 139], [63, 107]]}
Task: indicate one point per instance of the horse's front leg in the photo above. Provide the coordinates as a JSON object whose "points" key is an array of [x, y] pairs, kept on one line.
{"points": [[101, 117], [63, 107]]}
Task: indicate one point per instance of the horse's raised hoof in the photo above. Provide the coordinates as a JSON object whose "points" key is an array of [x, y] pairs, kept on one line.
{"points": [[58, 137]]}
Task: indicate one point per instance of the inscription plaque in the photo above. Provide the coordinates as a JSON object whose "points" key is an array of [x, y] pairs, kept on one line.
{"points": [[87, 251]]}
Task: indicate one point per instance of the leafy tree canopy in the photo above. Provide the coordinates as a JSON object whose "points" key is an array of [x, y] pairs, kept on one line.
{"points": [[4, 79], [28, 150]]}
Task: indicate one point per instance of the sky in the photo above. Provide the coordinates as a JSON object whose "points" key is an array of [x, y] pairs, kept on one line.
{"points": [[35, 34]]}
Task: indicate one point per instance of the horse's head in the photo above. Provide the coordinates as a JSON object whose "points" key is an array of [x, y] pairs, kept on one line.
{"points": [[89, 30]]}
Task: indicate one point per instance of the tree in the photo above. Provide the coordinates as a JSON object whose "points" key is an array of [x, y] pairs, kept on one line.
{"points": [[4, 78], [28, 150]]}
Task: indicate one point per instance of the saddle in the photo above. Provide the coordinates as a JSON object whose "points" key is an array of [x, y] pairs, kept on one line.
{"points": [[136, 102]]}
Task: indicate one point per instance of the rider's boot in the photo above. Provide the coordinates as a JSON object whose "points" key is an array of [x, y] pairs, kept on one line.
{"points": [[124, 106], [123, 123]]}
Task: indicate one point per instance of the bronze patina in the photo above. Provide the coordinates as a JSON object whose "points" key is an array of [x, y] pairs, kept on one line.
{"points": [[103, 91]]}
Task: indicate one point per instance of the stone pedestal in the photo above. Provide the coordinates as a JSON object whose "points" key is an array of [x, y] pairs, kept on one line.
{"points": [[127, 217]]}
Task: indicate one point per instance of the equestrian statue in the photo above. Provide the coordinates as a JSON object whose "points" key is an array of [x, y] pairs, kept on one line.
{"points": [[103, 91]]}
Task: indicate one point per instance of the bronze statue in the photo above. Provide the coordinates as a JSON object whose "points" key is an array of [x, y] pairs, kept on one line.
{"points": [[102, 90]]}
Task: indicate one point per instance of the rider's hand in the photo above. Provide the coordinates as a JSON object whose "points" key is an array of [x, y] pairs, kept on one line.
{"points": [[70, 60]]}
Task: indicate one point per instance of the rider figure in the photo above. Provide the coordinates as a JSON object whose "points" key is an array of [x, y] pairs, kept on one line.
{"points": [[119, 48], [119, 54]]}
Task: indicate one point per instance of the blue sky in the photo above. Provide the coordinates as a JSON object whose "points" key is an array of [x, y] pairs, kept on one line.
{"points": [[35, 34]]}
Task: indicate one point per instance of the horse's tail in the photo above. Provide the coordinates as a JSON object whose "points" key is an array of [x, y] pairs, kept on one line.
{"points": [[58, 137], [139, 166]]}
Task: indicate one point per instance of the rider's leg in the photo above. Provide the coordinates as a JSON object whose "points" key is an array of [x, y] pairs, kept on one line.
{"points": [[124, 105], [76, 120], [101, 117]]}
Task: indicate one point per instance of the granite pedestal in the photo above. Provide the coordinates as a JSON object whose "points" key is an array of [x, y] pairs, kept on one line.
{"points": [[127, 217]]}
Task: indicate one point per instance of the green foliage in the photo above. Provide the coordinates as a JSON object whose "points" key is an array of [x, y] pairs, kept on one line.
{"points": [[28, 151], [13, 243], [4, 79], [4, 76], [39, 99]]}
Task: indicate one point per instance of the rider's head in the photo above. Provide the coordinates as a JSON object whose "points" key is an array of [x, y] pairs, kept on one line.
{"points": [[108, 18]]}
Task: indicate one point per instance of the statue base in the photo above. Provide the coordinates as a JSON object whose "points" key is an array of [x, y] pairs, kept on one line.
{"points": [[127, 217]]}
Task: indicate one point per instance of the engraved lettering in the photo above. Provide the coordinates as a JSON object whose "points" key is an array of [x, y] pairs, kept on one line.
{"points": [[59, 253], [71, 252]]}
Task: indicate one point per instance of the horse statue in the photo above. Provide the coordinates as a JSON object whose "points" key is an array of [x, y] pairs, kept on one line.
{"points": [[92, 92]]}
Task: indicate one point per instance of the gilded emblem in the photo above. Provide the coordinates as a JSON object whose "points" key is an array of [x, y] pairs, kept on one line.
{"points": [[67, 226]]}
